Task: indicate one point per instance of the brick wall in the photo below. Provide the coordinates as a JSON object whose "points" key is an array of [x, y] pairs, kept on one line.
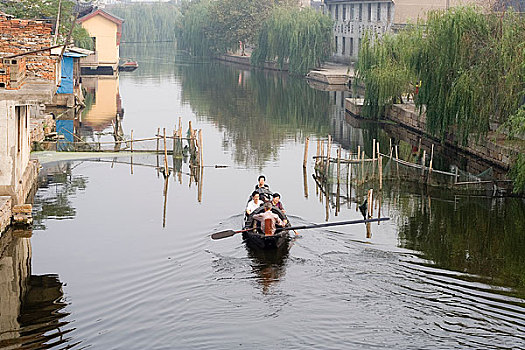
{"points": [[18, 36]]}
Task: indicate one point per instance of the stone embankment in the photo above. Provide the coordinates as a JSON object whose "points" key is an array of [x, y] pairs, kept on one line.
{"points": [[493, 148]]}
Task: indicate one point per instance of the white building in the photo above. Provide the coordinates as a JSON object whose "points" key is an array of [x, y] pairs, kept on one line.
{"points": [[352, 19]]}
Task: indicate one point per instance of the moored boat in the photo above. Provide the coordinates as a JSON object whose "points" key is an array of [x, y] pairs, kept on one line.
{"points": [[256, 238], [128, 66]]}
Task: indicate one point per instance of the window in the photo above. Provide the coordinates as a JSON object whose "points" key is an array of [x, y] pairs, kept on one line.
{"points": [[360, 12], [388, 13], [343, 47], [336, 39], [378, 11], [352, 12], [351, 46], [344, 12], [336, 12], [369, 12]]}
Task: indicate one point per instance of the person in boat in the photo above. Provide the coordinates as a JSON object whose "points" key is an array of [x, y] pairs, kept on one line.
{"points": [[254, 203], [263, 188], [276, 202], [268, 218]]}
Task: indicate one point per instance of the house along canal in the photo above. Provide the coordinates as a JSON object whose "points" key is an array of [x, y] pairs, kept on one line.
{"points": [[119, 258]]}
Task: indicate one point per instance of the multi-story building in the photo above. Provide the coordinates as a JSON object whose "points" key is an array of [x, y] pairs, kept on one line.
{"points": [[352, 18]]}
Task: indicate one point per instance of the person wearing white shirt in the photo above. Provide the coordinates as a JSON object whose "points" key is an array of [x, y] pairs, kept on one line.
{"points": [[254, 203]]}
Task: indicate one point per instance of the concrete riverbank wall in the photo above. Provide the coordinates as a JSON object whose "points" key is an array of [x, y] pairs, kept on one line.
{"points": [[246, 61], [493, 148]]}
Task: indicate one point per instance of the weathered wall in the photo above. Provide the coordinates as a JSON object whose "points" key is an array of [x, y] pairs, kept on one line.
{"points": [[488, 148], [5, 213], [17, 36], [15, 146], [15, 269]]}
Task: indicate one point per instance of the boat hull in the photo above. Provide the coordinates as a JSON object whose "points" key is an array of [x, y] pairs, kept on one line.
{"points": [[258, 240]]}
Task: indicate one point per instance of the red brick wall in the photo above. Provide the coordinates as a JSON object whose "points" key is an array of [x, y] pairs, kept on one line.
{"points": [[18, 36]]}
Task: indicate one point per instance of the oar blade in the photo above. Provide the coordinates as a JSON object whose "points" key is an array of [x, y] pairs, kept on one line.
{"points": [[223, 234]]}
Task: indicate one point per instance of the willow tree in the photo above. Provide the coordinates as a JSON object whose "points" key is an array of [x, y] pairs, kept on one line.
{"points": [[470, 66], [300, 37], [192, 35], [386, 66], [148, 22]]}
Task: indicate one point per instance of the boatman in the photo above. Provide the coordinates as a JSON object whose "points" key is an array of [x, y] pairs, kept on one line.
{"points": [[263, 188], [254, 203], [268, 220]]}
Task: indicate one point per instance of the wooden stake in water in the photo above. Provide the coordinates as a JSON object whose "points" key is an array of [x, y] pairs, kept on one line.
{"points": [[369, 200], [328, 153], [305, 182], [363, 166], [431, 160], [158, 137], [201, 150], [131, 143], [305, 152], [380, 172], [166, 169], [397, 163], [423, 163]]}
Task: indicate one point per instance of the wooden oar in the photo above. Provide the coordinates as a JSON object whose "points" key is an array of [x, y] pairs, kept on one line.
{"points": [[229, 233]]}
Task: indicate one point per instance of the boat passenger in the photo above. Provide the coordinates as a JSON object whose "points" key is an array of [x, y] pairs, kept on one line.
{"points": [[254, 203], [263, 188], [276, 202], [268, 218]]}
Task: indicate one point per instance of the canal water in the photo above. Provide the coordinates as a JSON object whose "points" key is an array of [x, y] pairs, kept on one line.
{"points": [[120, 258]]}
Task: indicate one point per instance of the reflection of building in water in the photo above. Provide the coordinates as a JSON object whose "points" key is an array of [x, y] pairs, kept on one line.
{"points": [[29, 305], [348, 135], [105, 103], [268, 265]]}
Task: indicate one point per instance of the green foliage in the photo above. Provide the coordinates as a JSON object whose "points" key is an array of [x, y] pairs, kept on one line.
{"points": [[148, 22], [235, 20], [387, 70], [82, 39], [192, 35], [471, 66], [48, 9], [35, 9], [300, 37], [517, 174]]}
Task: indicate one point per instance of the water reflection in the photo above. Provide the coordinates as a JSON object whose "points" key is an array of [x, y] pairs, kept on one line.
{"points": [[103, 102], [480, 236], [269, 266], [57, 184], [31, 307], [256, 110]]}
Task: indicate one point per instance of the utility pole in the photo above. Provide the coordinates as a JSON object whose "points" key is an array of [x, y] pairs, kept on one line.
{"points": [[448, 4]]}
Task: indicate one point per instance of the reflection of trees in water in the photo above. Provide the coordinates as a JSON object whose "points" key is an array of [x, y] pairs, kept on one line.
{"points": [[56, 185], [31, 307], [480, 236], [156, 61], [257, 109]]}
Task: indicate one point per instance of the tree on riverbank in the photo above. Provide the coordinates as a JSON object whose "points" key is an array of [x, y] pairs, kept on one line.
{"points": [[48, 10], [279, 30], [148, 22], [300, 37], [469, 65]]}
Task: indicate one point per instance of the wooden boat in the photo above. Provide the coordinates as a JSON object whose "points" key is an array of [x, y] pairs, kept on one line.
{"points": [[256, 237], [128, 66]]}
